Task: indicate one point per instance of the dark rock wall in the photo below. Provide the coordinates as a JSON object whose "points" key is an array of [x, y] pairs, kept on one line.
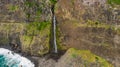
{"points": [[84, 10], [24, 10], [16, 16], [90, 25]]}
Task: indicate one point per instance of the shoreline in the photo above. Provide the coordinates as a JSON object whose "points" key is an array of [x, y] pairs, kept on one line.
{"points": [[47, 59], [18, 59]]}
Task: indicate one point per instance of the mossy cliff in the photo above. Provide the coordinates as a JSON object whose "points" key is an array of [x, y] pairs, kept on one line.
{"points": [[26, 23], [92, 26], [36, 38], [33, 38]]}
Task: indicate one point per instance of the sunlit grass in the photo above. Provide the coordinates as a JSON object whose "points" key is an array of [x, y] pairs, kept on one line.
{"points": [[114, 2], [88, 56]]}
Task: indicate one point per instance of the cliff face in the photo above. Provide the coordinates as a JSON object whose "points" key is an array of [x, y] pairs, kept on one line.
{"points": [[84, 10], [93, 25], [83, 24], [24, 10], [25, 25], [30, 38]]}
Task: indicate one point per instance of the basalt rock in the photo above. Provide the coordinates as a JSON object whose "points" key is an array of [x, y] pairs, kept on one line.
{"points": [[25, 25], [16, 36], [89, 25], [84, 10], [24, 10]]}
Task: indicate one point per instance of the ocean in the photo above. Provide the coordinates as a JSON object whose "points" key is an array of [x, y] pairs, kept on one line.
{"points": [[10, 59]]}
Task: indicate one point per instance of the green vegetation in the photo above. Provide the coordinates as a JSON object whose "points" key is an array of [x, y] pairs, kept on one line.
{"points": [[114, 2], [36, 35], [98, 24], [31, 35], [6, 29], [36, 10], [88, 57], [27, 39], [93, 23], [36, 26], [4, 41], [39, 11], [29, 4], [13, 8], [53, 1], [58, 39]]}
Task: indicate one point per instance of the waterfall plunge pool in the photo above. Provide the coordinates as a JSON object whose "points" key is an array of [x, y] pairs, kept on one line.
{"points": [[10, 59]]}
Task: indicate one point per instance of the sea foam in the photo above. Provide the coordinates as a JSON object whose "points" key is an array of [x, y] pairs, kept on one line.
{"points": [[14, 60]]}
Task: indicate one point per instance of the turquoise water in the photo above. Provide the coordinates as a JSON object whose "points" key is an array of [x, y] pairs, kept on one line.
{"points": [[8, 62], [10, 59]]}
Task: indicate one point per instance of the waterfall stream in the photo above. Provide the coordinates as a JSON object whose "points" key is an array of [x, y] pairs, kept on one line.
{"points": [[54, 30], [54, 33]]}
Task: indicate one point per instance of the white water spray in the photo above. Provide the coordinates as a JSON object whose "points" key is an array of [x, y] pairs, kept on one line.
{"points": [[15, 59], [54, 31]]}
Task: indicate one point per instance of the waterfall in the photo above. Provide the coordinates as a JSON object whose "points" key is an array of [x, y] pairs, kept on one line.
{"points": [[10, 59], [54, 29], [54, 33]]}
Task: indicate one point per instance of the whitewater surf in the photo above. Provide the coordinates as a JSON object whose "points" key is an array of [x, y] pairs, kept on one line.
{"points": [[11, 59]]}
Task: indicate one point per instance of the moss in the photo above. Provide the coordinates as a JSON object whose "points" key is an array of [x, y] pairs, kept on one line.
{"points": [[97, 24], [38, 25], [93, 23], [13, 8], [26, 40], [29, 4], [58, 38], [39, 31], [45, 33], [7, 30], [32, 35], [115, 29], [114, 2], [53, 1], [89, 57], [38, 12], [4, 41]]}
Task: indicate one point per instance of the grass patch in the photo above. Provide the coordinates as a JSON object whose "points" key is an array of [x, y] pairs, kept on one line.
{"points": [[117, 2], [58, 40], [89, 57], [27, 40], [29, 4], [13, 8], [53, 1], [36, 35], [96, 24], [36, 27]]}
